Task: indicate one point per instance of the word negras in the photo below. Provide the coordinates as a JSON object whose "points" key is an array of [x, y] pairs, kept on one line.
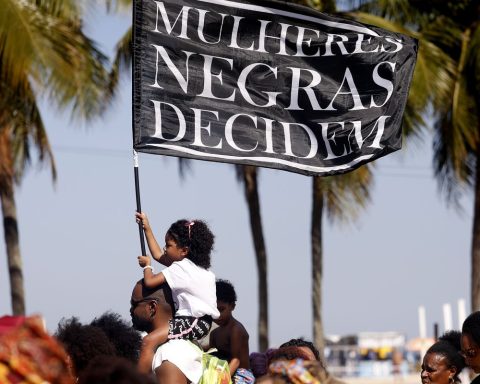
{"points": [[220, 61]]}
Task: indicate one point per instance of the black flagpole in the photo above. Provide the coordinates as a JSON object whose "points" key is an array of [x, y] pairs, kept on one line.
{"points": [[135, 154], [139, 206]]}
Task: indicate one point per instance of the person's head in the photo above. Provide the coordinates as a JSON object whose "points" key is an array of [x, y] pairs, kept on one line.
{"points": [[39, 356], [443, 361], [113, 370], [150, 306], [259, 362], [291, 352], [470, 341], [193, 239], [296, 371], [83, 343], [307, 346], [226, 300], [127, 340]]}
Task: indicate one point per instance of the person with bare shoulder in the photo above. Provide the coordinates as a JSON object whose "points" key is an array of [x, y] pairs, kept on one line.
{"points": [[178, 361], [230, 338]]}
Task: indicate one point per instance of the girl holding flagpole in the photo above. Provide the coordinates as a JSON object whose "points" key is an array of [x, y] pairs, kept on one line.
{"points": [[186, 255]]}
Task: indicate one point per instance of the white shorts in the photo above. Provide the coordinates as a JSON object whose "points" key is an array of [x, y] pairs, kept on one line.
{"points": [[184, 354]]}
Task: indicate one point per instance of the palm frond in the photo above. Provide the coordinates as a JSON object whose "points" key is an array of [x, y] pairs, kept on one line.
{"points": [[22, 117], [122, 62], [457, 137], [56, 55], [118, 5], [80, 80], [347, 194], [16, 47], [399, 11], [184, 167], [472, 65], [431, 83], [445, 34], [66, 9]]}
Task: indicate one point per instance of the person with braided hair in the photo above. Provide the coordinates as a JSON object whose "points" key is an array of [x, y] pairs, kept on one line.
{"points": [[186, 255], [443, 361]]}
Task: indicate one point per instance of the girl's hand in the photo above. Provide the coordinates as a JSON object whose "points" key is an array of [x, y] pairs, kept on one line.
{"points": [[141, 217], [143, 261]]}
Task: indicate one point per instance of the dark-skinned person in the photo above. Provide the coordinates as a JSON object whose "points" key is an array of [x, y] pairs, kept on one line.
{"points": [[470, 342], [443, 361], [127, 341], [113, 370], [306, 346], [178, 361], [291, 365], [230, 338], [313, 354], [186, 256], [83, 343], [28, 354]]}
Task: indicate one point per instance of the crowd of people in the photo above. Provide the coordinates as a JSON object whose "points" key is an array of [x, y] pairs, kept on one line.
{"points": [[184, 331]]}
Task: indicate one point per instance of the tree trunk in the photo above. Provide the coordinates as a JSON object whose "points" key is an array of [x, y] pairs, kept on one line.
{"points": [[317, 264], [253, 201], [475, 277], [10, 228]]}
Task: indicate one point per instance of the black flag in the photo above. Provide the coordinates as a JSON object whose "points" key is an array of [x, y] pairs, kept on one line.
{"points": [[267, 84]]}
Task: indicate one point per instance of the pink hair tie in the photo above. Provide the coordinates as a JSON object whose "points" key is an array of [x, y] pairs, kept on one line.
{"points": [[189, 225]]}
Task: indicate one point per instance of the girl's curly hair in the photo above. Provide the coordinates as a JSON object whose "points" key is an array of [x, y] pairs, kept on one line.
{"points": [[197, 237]]}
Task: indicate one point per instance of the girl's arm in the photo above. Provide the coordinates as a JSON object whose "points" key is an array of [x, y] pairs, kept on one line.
{"points": [[151, 279], [152, 243]]}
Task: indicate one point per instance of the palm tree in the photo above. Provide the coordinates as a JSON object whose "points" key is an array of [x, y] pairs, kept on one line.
{"points": [[339, 197], [449, 33], [44, 52], [248, 176]]}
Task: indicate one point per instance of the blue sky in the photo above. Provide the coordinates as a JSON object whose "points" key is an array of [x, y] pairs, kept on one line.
{"points": [[79, 240]]}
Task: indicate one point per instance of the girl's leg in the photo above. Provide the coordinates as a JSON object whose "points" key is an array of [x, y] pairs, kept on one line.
{"points": [[189, 328], [150, 343]]}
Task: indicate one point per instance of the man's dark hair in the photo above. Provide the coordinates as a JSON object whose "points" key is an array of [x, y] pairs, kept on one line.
{"points": [[226, 291], [126, 339], [162, 294], [83, 342], [448, 346], [197, 237], [471, 326], [302, 343]]}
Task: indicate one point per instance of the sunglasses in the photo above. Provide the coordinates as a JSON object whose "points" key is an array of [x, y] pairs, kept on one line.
{"points": [[134, 303], [469, 353]]}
